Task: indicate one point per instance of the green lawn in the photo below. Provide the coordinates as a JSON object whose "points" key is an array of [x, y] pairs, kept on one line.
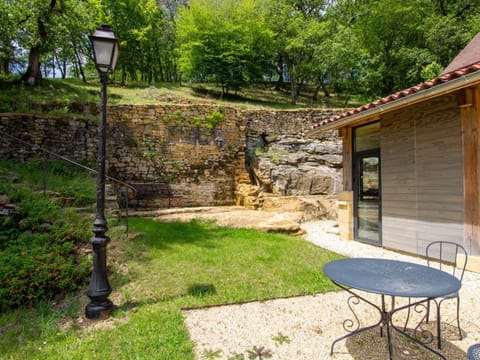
{"points": [[166, 267]]}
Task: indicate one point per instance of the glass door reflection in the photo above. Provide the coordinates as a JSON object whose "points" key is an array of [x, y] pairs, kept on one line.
{"points": [[368, 198]]}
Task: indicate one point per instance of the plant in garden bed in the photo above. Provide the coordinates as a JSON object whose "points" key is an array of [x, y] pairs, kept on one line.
{"points": [[168, 267], [40, 244]]}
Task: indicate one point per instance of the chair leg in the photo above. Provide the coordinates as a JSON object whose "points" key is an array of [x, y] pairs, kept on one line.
{"points": [[428, 311], [458, 318], [408, 315], [439, 335]]}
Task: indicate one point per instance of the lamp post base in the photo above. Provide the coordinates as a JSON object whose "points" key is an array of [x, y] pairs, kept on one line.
{"points": [[97, 310]]}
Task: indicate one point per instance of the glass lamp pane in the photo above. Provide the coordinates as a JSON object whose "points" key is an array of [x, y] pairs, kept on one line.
{"points": [[103, 53], [115, 55]]}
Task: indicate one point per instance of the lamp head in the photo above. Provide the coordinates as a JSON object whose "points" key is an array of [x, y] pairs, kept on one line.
{"points": [[105, 49]]}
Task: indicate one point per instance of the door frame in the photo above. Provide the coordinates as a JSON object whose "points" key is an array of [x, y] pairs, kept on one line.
{"points": [[357, 156]]}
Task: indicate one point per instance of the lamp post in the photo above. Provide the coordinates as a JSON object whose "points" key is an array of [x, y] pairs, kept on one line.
{"points": [[105, 53]]}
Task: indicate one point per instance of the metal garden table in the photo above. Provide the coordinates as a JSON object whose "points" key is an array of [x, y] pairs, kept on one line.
{"points": [[389, 278]]}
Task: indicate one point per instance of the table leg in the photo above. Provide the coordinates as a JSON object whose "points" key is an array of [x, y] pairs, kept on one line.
{"points": [[386, 321], [406, 334], [352, 326]]}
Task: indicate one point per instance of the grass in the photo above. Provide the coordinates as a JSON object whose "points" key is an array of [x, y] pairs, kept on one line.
{"points": [[55, 97], [72, 96], [203, 264], [67, 181], [166, 267]]}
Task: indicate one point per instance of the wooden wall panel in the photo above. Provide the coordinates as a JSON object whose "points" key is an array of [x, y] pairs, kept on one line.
{"points": [[397, 144], [422, 175]]}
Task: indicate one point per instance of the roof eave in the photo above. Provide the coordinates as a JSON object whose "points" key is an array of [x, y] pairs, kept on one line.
{"points": [[423, 95]]}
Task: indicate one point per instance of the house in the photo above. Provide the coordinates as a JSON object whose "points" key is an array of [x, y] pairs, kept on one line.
{"points": [[412, 163]]}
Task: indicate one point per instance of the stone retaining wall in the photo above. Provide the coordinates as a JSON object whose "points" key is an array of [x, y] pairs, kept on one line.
{"points": [[175, 152]]}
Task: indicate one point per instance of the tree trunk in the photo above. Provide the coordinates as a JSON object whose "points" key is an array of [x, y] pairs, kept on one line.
{"points": [[80, 69], [293, 85], [279, 84], [325, 90], [123, 76], [315, 93], [61, 66], [78, 62], [33, 75]]}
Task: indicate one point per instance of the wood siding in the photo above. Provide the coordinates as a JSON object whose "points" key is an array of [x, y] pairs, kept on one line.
{"points": [[469, 102], [422, 175]]}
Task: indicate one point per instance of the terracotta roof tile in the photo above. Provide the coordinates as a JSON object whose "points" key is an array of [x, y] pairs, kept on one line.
{"points": [[398, 95]]}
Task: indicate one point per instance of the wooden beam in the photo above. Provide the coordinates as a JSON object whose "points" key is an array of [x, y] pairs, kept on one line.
{"points": [[347, 158], [470, 117], [465, 97]]}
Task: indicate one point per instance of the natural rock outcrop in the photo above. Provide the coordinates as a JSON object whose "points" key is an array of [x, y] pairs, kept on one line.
{"points": [[293, 166]]}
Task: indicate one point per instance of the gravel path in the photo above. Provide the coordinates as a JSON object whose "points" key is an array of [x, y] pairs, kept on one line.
{"points": [[304, 327]]}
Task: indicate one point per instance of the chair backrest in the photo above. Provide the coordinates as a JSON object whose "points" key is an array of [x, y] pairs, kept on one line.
{"points": [[444, 255]]}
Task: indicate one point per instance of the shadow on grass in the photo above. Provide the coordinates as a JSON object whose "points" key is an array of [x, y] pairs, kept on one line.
{"points": [[279, 103], [162, 235], [201, 290], [69, 96], [195, 290]]}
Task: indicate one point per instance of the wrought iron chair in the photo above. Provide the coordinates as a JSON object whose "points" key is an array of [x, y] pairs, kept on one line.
{"points": [[473, 352], [443, 255]]}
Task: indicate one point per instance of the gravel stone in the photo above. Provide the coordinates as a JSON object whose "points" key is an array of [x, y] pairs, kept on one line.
{"points": [[303, 328]]}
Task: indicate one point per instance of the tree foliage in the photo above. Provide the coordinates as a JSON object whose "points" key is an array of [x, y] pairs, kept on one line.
{"points": [[370, 47], [225, 41], [43, 31]]}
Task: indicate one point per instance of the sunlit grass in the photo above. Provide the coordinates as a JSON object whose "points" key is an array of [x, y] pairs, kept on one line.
{"points": [[164, 268], [73, 96], [204, 264]]}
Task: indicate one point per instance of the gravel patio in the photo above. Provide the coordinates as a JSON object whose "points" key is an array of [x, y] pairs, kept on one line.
{"points": [[303, 328]]}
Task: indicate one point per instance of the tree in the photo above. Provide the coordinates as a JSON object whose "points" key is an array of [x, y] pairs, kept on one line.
{"points": [[298, 28], [141, 27], [225, 41], [394, 43], [39, 20], [45, 30], [338, 63], [8, 19], [450, 26]]}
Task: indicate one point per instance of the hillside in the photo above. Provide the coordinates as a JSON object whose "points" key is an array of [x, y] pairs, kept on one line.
{"points": [[57, 97]]}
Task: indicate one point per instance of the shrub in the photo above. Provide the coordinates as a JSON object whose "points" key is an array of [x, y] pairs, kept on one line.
{"points": [[40, 253]]}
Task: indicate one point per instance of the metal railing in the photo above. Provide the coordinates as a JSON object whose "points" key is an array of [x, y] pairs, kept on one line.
{"points": [[123, 191]]}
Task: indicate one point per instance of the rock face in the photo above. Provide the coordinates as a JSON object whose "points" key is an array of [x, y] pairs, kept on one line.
{"points": [[293, 166], [283, 162]]}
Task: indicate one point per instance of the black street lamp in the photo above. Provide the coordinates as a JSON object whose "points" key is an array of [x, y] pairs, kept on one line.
{"points": [[105, 53]]}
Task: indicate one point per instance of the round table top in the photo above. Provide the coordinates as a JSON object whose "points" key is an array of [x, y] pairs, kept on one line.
{"points": [[392, 277]]}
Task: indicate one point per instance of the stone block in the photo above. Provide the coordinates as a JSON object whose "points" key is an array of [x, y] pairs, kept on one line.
{"points": [[345, 214]]}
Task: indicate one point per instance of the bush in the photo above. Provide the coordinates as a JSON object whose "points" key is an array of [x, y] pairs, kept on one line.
{"points": [[40, 253]]}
